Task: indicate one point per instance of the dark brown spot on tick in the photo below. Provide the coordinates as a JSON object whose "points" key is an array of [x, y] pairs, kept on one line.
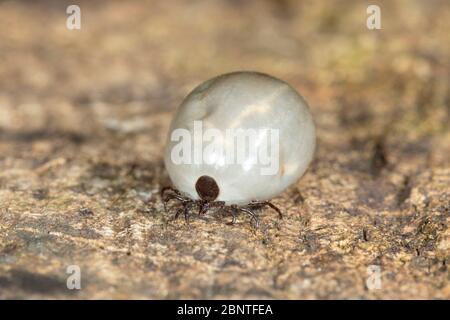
{"points": [[207, 188]]}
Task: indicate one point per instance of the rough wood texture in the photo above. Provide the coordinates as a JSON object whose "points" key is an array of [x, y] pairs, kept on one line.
{"points": [[83, 117]]}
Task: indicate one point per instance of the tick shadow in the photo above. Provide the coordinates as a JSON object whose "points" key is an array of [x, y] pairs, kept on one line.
{"points": [[114, 181], [23, 136], [28, 282]]}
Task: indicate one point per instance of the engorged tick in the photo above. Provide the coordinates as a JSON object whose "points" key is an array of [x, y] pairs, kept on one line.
{"points": [[212, 166]]}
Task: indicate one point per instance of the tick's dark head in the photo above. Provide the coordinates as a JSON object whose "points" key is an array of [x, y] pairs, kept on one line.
{"points": [[207, 188]]}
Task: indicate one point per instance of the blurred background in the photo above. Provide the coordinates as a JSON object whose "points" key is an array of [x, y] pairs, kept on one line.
{"points": [[84, 115]]}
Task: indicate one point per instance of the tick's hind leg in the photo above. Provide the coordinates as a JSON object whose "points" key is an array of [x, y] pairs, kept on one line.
{"points": [[252, 215], [233, 210], [262, 204]]}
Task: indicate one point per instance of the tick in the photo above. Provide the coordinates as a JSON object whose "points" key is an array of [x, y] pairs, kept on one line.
{"points": [[235, 142]]}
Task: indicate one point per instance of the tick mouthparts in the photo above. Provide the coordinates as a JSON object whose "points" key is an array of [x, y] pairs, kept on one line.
{"points": [[207, 188]]}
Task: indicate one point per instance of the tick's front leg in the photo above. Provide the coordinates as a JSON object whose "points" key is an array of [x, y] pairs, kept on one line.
{"points": [[186, 210], [171, 197], [168, 188]]}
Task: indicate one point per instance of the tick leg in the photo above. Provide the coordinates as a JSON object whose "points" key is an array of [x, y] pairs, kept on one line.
{"points": [[165, 189], [217, 204], [252, 215], [177, 214], [233, 211], [262, 204], [187, 207], [249, 212], [221, 205], [203, 207], [186, 216], [171, 197], [185, 210]]}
